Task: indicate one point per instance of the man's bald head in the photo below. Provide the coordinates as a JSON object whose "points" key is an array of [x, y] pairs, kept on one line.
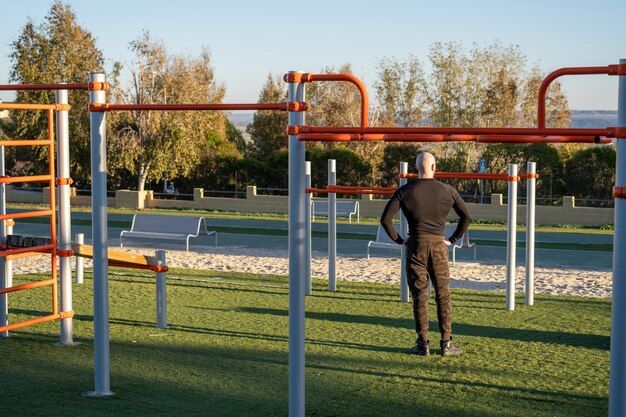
{"points": [[425, 164]]}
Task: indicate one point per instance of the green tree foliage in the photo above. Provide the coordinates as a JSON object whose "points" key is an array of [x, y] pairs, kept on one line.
{"points": [[147, 144], [590, 173], [351, 168], [267, 130], [59, 50]]}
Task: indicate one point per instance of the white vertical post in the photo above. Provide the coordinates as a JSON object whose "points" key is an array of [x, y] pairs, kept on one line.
{"points": [[4, 298], [511, 239], [80, 262], [99, 233], [332, 227], [64, 233], [161, 296], [531, 170], [404, 288], [617, 399], [297, 247], [307, 216]]}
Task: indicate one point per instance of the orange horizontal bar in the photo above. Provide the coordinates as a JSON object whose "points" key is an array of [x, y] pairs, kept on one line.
{"points": [[24, 106], [284, 106], [51, 317], [154, 268], [357, 190], [25, 255], [30, 178], [28, 142], [541, 139], [26, 214], [53, 87], [527, 176], [15, 251], [28, 286], [466, 176]]}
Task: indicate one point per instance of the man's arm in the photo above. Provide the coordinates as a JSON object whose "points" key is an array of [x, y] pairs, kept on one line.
{"points": [[386, 220], [465, 217]]}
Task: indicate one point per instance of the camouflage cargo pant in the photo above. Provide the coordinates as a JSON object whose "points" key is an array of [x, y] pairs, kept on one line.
{"points": [[424, 258]]}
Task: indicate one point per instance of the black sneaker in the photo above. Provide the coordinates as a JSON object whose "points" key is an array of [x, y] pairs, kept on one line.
{"points": [[421, 348], [448, 349]]}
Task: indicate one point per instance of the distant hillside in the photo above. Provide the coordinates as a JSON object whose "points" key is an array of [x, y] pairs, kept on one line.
{"points": [[580, 118], [594, 118]]}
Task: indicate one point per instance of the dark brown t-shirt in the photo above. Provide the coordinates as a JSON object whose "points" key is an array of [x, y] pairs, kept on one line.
{"points": [[426, 204]]}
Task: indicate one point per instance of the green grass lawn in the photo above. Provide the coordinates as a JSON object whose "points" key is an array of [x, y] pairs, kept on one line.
{"points": [[226, 352]]}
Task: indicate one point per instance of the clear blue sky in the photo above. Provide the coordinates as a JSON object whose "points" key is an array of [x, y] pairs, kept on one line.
{"points": [[249, 39]]}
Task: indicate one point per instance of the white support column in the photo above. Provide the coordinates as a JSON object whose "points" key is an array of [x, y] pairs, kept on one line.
{"points": [[4, 279], [297, 256], [161, 295], [100, 245], [80, 261], [531, 183], [511, 238], [65, 228], [617, 383], [332, 227], [307, 215], [404, 288]]}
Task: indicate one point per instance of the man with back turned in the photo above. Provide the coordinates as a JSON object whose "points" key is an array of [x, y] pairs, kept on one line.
{"points": [[425, 204]]}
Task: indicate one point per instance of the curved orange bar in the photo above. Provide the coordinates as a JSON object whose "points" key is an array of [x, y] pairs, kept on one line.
{"points": [[307, 77], [543, 88]]}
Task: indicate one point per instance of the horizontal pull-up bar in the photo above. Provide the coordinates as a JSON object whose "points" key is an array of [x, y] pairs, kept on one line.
{"points": [[284, 106], [24, 106], [619, 69], [94, 86], [297, 77], [470, 176], [348, 189]]}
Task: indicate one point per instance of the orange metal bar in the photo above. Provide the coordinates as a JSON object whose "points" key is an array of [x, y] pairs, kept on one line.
{"points": [[53, 222], [155, 268], [26, 214], [619, 192], [30, 178], [285, 106], [466, 176], [24, 255], [543, 88], [14, 251], [527, 176], [53, 87], [25, 106], [55, 316], [27, 286], [308, 77], [28, 142]]}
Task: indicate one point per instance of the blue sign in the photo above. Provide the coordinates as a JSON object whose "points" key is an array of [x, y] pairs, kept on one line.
{"points": [[482, 166]]}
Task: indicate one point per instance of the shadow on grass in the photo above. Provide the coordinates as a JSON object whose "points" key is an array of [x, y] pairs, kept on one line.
{"points": [[524, 335]]}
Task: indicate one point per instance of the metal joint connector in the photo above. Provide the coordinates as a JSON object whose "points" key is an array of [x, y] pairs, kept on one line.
{"points": [[293, 130], [619, 192], [98, 86], [63, 181], [513, 178], [67, 253], [617, 69], [66, 314], [616, 132], [296, 77], [157, 268], [298, 106], [62, 107], [98, 107]]}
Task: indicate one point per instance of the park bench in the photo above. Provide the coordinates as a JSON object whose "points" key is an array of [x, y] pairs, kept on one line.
{"points": [[152, 226], [384, 242], [345, 208]]}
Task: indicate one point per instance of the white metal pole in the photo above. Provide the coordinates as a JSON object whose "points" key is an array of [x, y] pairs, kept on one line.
{"points": [[4, 298], [65, 232], [80, 262], [332, 227], [511, 237], [307, 217], [531, 169], [100, 245], [297, 256], [617, 384], [404, 288], [161, 296]]}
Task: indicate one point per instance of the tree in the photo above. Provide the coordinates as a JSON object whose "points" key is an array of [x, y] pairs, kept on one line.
{"points": [[591, 173], [400, 90], [149, 143], [267, 130], [59, 50]]}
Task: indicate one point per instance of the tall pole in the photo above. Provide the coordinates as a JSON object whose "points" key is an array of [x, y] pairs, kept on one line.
{"points": [[511, 238], [100, 245], [531, 169], [332, 227], [65, 232], [307, 217], [297, 248], [617, 383], [161, 295], [4, 273], [404, 288]]}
